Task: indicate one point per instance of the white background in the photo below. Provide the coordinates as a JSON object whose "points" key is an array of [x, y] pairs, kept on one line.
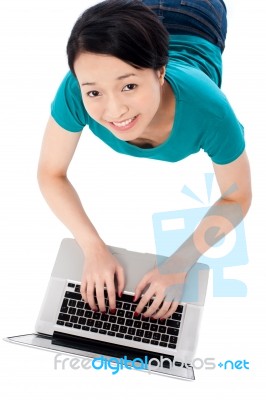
{"points": [[120, 194]]}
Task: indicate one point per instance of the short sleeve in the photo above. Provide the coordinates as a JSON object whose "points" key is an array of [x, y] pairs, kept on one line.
{"points": [[67, 108], [225, 143]]}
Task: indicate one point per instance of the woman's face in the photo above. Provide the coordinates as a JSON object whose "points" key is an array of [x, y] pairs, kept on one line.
{"points": [[118, 96]]}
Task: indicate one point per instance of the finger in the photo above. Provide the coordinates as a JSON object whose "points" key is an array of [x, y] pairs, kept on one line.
{"points": [[83, 290], [154, 306], [171, 310], [100, 296], [90, 296], [163, 309], [120, 280], [144, 300], [142, 284], [110, 286]]}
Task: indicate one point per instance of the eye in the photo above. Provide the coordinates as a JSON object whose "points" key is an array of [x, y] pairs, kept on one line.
{"points": [[93, 93], [130, 87]]}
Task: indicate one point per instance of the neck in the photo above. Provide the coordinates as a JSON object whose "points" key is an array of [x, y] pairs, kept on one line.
{"points": [[161, 126]]}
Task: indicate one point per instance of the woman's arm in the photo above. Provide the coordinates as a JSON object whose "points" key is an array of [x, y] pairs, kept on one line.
{"points": [[100, 266], [57, 150], [166, 282]]}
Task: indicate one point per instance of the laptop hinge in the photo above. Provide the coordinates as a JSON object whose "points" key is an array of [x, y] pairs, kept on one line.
{"points": [[103, 348]]}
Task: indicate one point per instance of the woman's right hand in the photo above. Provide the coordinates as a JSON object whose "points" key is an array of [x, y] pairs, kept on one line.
{"points": [[99, 271]]}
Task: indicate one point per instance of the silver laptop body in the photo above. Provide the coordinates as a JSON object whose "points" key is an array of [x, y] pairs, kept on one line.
{"points": [[67, 272]]}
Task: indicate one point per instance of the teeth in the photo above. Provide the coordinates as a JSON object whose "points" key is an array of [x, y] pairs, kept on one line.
{"points": [[124, 123]]}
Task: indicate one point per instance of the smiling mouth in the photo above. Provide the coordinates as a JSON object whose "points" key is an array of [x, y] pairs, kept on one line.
{"points": [[124, 123]]}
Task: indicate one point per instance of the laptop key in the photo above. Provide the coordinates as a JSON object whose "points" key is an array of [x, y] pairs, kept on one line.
{"points": [[74, 319], [163, 344], [127, 298], [172, 323], [179, 309], [90, 322], [115, 328], [112, 319], [80, 304], [64, 309], [156, 336], [104, 317], [120, 313], [137, 339], [65, 303], [106, 325], [131, 331], [64, 317], [172, 331], [60, 322], [69, 324], [77, 288], [123, 329], [153, 328], [148, 334], [119, 335], [173, 339], [155, 342], [72, 295], [88, 314], [85, 328], [121, 321], [129, 337], [126, 306], [129, 314], [140, 332], [111, 333], [80, 312], [102, 331], [137, 324], [176, 317], [77, 326], [129, 322], [144, 340], [171, 346], [94, 330], [72, 310], [71, 284], [82, 321], [146, 326], [165, 338], [72, 303], [98, 324]]}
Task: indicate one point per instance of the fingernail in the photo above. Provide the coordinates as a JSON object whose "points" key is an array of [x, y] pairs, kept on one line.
{"points": [[162, 319], [153, 319], [136, 314], [112, 311], [120, 294], [134, 298], [143, 316]]}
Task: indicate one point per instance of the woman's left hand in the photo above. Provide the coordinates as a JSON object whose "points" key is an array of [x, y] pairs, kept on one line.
{"points": [[166, 288]]}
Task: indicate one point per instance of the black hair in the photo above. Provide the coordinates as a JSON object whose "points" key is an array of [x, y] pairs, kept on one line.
{"points": [[126, 29]]}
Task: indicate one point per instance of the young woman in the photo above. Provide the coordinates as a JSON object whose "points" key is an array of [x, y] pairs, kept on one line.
{"points": [[146, 76]]}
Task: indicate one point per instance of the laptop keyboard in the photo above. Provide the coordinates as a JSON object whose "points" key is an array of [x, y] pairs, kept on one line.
{"points": [[122, 323]]}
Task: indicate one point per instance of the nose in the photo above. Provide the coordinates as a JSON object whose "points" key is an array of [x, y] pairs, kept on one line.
{"points": [[114, 110]]}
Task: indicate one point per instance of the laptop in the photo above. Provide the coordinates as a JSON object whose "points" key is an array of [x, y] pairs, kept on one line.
{"points": [[67, 325]]}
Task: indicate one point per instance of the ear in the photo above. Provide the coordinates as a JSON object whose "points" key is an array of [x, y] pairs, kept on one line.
{"points": [[161, 74]]}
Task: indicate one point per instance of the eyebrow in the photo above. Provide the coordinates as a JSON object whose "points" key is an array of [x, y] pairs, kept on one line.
{"points": [[120, 78]]}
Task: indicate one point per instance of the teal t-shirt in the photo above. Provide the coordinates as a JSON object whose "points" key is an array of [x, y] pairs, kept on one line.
{"points": [[204, 119]]}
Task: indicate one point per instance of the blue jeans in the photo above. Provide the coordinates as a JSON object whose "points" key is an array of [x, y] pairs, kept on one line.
{"points": [[204, 18]]}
